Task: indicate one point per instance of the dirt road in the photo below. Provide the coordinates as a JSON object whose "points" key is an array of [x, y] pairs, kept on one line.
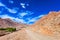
{"points": [[25, 34]]}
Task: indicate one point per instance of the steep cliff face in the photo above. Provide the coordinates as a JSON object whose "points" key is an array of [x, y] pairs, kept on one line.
{"points": [[46, 28]]}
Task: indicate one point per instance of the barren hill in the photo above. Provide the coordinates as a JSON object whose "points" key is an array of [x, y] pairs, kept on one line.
{"points": [[4, 23], [46, 28], [8, 24]]}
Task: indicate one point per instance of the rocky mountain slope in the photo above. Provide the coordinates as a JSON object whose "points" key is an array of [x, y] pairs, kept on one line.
{"points": [[4, 23], [7, 25], [46, 28]]}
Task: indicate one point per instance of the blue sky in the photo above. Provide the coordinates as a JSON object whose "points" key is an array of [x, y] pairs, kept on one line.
{"points": [[27, 11]]}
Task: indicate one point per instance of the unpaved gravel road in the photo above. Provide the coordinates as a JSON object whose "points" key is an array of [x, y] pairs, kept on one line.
{"points": [[25, 34]]}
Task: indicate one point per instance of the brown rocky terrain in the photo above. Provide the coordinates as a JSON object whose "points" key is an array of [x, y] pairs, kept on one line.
{"points": [[4, 23], [8, 23], [46, 28]]}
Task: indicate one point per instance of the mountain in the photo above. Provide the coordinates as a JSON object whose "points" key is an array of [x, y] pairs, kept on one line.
{"points": [[4, 23], [8, 23], [50, 22], [46, 28]]}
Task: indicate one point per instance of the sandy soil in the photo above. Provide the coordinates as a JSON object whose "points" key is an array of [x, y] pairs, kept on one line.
{"points": [[25, 34]]}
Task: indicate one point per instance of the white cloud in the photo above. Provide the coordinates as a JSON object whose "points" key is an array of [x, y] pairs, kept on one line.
{"points": [[23, 14], [23, 7], [41, 16], [6, 16], [19, 20], [34, 19], [14, 10], [10, 1], [1, 4], [22, 4], [13, 18]]}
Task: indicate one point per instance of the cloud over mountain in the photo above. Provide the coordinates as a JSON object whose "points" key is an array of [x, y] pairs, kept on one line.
{"points": [[16, 14]]}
